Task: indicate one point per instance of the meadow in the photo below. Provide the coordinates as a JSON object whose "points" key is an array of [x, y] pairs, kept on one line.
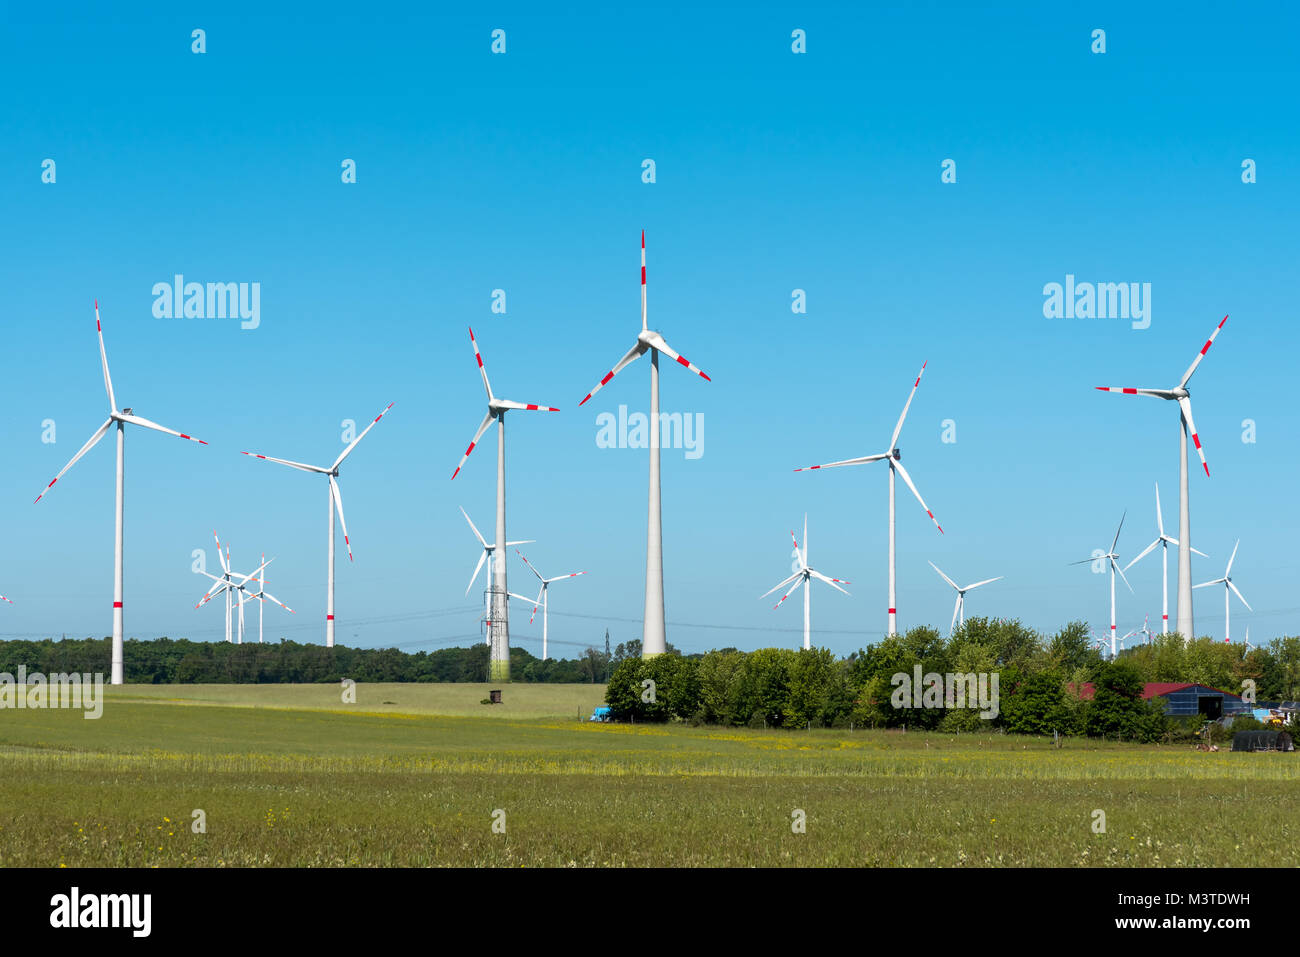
{"points": [[417, 774]]}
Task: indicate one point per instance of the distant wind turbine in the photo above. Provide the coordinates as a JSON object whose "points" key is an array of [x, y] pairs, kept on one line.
{"points": [[1164, 541], [894, 457], [1228, 586], [804, 576], [542, 595], [959, 610], [1111, 556]]}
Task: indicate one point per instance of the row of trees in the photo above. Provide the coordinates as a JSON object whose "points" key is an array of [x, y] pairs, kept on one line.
{"points": [[1040, 682], [168, 661]]}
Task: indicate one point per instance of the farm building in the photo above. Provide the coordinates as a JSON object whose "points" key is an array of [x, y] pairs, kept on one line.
{"points": [[1183, 699]]}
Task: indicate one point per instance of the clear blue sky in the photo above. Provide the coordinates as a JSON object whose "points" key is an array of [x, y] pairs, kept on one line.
{"points": [[522, 171]]}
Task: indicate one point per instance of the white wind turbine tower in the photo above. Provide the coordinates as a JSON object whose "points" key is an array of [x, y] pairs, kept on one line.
{"points": [[499, 620], [1228, 586], [1186, 626], [542, 595], [894, 457], [803, 576], [120, 419], [654, 636], [1164, 541], [335, 501], [959, 609], [486, 556], [230, 582], [261, 596], [1111, 556]]}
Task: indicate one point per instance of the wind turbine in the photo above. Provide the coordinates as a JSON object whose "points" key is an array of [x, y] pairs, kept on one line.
{"points": [[335, 501], [1110, 556], [1228, 586], [654, 637], [1164, 541], [1180, 394], [229, 583], [486, 555], [261, 596], [120, 419], [894, 457], [542, 595], [803, 576], [499, 619], [959, 610]]}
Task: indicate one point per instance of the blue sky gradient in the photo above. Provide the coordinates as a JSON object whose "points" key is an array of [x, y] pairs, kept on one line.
{"points": [[522, 171]]}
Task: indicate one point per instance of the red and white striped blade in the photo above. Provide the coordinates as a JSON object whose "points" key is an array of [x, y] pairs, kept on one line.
{"points": [[3, 598], [478, 357], [1185, 404], [1128, 390], [527, 406], [216, 589], [138, 420], [1201, 355], [635, 352], [558, 578], [530, 566], [253, 575], [790, 592], [644, 318], [292, 465], [893, 441], [267, 594], [803, 559], [537, 602], [831, 465], [833, 582], [220, 556], [657, 341], [908, 479], [487, 420], [90, 444], [338, 504], [103, 358], [348, 451]]}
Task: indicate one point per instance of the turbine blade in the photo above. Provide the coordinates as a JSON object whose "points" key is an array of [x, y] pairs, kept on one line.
{"points": [[526, 406], [894, 463], [1127, 390], [1185, 404], [530, 566], [1160, 522], [789, 593], [657, 341], [1201, 355], [474, 529], [1239, 595], [560, 578], [90, 444], [1115, 565], [1118, 530], [138, 420], [267, 594], [1232, 558], [1217, 581], [293, 465], [1145, 552], [103, 358], [1198, 552], [803, 562], [220, 555], [987, 581], [635, 352], [482, 557], [831, 465], [482, 370], [487, 420], [893, 441], [338, 504], [943, 576], [833, 582], [348, 451], [780, 584]]}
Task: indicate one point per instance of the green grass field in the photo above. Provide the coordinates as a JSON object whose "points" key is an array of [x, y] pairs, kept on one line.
{"points": [[291, 776]]}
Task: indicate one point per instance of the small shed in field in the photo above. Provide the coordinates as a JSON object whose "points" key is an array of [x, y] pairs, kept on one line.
{"points": [[1262, 741]]}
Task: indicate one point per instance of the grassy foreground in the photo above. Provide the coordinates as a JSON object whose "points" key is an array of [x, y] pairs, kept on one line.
{"points": [[290, 776]]}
